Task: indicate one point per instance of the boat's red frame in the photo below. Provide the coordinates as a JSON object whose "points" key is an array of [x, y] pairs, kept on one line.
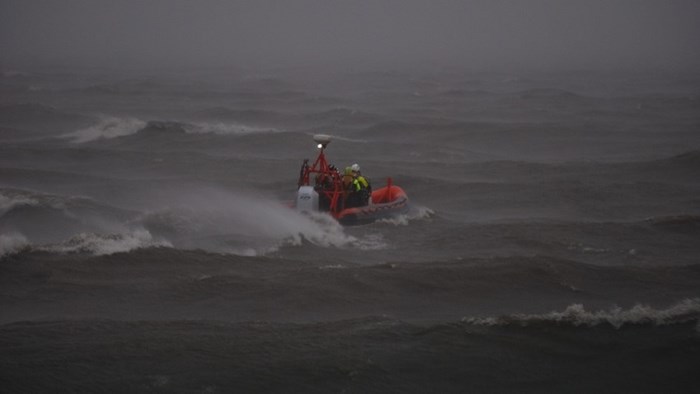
{"points": [[323, 174], [331, 182]]}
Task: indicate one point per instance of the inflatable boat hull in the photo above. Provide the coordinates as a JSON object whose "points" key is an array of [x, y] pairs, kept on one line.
{"points": [[386, 202]]}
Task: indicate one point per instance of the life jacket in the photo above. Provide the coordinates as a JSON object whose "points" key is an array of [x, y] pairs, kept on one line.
{"points": [[356, 184], [362, 181]]}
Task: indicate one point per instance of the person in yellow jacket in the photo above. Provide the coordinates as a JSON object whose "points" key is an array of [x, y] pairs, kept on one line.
{"points": [[350, 188], [361, 185]]}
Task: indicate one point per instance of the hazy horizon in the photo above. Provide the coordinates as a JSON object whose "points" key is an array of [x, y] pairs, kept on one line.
{"points": [[347, 36]]}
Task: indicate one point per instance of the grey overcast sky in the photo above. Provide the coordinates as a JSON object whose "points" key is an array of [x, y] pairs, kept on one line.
{"points": [[373, 33]]}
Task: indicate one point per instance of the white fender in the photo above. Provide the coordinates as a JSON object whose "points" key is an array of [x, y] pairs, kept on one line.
{"points": [[307, 199]]}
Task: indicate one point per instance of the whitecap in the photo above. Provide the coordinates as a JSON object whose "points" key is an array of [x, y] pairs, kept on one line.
{"points": [[9, 201], [108, 127], [12, 243], [105, 244], [686, 311], [415, 213]]}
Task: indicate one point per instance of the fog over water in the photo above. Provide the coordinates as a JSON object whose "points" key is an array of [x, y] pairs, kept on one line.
{"points": [[150, 154], [353, 34]]}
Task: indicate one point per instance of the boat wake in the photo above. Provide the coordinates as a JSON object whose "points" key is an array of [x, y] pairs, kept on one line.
{"points": [[414, 213]]}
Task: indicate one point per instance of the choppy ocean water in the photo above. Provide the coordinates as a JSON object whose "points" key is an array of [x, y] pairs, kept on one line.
{"points": [[146, 241]]}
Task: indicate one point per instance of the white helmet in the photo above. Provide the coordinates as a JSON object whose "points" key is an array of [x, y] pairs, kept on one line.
{"points": [[355, 167]]}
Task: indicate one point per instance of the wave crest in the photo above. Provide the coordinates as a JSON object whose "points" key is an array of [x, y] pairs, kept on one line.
{"points": [[576, 315], [10, 200], [105, 244], [12, 243], [221, 128], [108, 127]]}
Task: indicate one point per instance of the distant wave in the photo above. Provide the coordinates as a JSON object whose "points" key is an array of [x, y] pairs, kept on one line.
{"points": [[222, 128], [110, 127], [254, 116], [576, 315], [549, 93], [25, 110], [463, 93], [690, 158], [34, 113], [345, 116], [107, 127], [14, 74], [14, 199], [677, 222], [10, 200], [337, 115], [131, 86]]}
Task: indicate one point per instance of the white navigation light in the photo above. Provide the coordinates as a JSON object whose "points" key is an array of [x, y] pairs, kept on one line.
{"points": [[322, 140]]}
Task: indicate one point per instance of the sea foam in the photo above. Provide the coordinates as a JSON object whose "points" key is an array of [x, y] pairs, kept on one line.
{"points": [[12, 243], [415, 213], [576, 315], [222, 221]]}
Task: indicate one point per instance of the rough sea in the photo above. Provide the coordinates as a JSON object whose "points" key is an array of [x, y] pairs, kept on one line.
{"points": [[147, 242]]}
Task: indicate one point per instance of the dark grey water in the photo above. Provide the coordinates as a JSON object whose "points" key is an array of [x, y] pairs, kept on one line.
{"points": [[147, 245]]}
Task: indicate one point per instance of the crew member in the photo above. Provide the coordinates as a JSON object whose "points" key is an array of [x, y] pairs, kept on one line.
{"points": [[350, 189], [362, 185]]}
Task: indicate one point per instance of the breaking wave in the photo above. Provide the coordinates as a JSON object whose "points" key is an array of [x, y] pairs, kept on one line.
{"points": [[104, 244], [108, 127], [89, 243], [14, 198], [576, 315], [9, 201], [12, 243], [41, 222], [321, 230], [27, 209], [210, 219]]}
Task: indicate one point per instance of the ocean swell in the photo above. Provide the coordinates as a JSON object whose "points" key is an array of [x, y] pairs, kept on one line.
{"points": [[576, 315], [108, 127], [104, 244]]}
